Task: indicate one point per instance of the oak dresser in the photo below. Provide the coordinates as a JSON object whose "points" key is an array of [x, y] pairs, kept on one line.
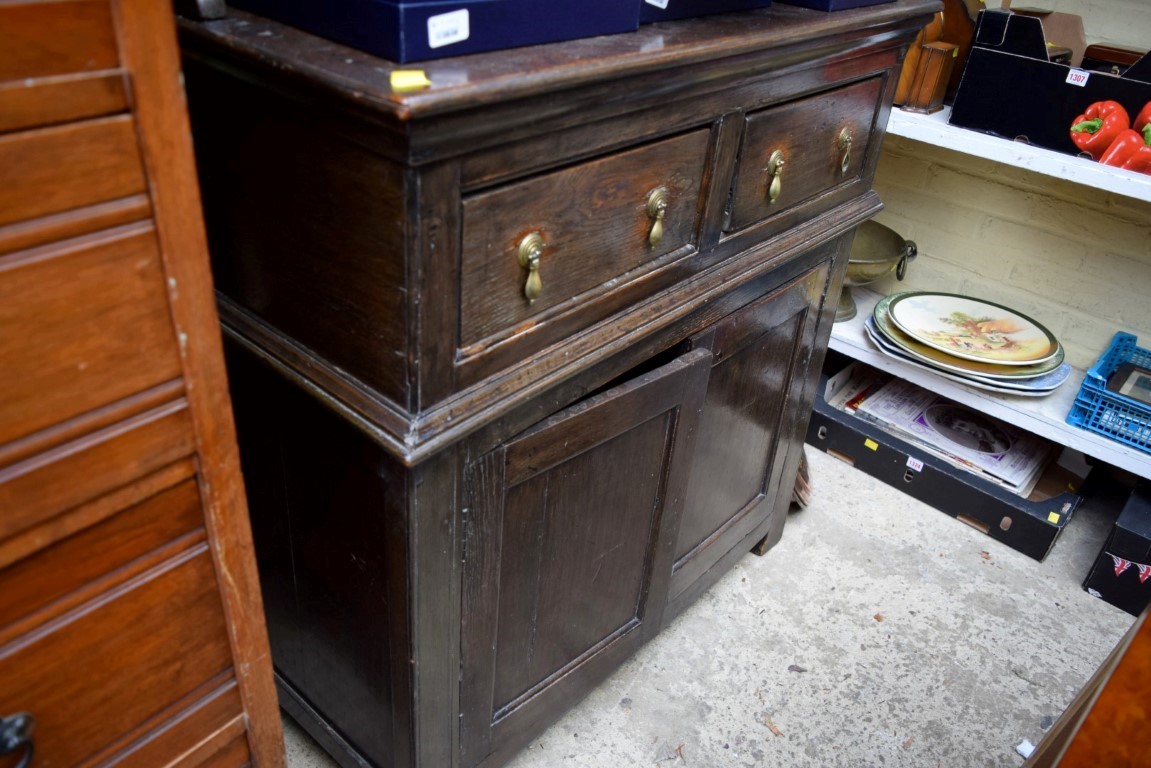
{"points": [[522, 362], [131, 627]]}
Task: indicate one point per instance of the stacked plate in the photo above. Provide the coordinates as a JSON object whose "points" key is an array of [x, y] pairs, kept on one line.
{"points": [[975, 342]]}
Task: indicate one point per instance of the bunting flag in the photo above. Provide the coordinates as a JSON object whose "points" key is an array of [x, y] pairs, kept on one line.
{"points": [[1144, 572], [1120, 564]]}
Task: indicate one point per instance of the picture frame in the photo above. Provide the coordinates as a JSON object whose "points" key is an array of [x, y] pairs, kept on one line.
{"points": [[1132, 381]]}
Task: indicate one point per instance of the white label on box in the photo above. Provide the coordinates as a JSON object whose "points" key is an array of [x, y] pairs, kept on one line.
{"points": [[448, 28], [657, 3], [1078, 77], [914, 464]]}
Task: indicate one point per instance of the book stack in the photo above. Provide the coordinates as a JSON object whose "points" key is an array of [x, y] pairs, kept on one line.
{"points": [[963, 437]]}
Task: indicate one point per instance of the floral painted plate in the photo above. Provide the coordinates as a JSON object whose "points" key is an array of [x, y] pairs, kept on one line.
{"points": [[881, 317], [972, 329]]}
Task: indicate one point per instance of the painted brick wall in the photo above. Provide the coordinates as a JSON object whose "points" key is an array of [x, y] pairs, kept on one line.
{"points": [[1117, 22], [1076, 260]]}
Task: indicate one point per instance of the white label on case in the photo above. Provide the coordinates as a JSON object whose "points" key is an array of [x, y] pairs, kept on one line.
{"points": [[657, 3], [914, 464], [1078, 77], [448, 28]]}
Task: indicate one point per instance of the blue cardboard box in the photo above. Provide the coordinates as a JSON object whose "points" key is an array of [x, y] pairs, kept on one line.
{"points": [[662, 10], [417, 30], [834, 5]]}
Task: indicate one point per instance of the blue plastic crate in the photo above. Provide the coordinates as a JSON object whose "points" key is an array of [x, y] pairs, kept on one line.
{"points": [[1116, 416]]}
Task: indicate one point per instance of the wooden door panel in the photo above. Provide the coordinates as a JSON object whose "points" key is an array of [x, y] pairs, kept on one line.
{"points": [[759, 353], [568, 550]]}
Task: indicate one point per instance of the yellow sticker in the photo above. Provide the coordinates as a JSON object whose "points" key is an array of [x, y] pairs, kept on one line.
{"points": [[1053, 518], [404, 80], [871, 444]]}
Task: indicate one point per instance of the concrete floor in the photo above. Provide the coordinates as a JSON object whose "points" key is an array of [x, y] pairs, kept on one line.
{"points": [[878, 632]]}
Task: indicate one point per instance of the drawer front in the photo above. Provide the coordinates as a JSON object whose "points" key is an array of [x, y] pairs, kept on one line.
{"points": [[82, 324], [593, 223], [69, 166], [797, 151], [46, 39], [107, 667]]}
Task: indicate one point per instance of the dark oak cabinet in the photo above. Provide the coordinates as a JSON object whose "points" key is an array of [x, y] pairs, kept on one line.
{"points": [[522, 363]]}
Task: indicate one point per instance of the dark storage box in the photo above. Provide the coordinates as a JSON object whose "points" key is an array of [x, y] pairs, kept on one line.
{"points": [[1027, 525], [663, 10], [1122, 572], [1010, 88], [417, 30], [834, 5]]}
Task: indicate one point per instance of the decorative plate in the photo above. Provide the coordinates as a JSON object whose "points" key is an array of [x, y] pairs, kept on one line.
{"points": [[1036, 387], [948, 362], [972, 329]]}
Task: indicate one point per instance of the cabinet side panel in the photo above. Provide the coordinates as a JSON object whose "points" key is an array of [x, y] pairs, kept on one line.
{"points": [[306, 228], [326, 507]]}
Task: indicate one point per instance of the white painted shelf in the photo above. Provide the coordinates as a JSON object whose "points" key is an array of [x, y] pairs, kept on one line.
{"points": [[934, 129], [1043, 416]]}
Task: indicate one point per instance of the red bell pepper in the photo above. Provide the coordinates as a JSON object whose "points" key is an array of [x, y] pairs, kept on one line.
{"points": [[1143, 119], [1095, 130], [1131, 151]]}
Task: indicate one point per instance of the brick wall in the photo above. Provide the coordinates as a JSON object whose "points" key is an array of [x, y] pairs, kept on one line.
{"points": [[1117, 22], [1076, 260]]}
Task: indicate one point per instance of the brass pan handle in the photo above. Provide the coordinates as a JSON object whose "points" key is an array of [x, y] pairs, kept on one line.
{"points": [[657, 202], [775, 165], [529, 251], [845, 147]]}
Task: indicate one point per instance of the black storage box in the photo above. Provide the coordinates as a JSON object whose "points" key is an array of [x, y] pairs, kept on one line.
{"points": [[1011, 89], [417, 30], [1122, 572], [1027, 525], [663, 10]]}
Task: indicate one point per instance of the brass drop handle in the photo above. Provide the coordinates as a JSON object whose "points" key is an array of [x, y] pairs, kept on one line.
{"points": [[529, 252], [657, 201], [845, 148], [775, 165]]}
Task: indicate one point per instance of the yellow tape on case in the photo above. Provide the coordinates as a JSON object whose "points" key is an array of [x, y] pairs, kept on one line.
{"points": [[404, 80], [871, 444], [1053, 518]]}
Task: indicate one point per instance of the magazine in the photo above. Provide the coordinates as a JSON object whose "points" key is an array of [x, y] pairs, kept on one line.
{"points": [[965, 437]]}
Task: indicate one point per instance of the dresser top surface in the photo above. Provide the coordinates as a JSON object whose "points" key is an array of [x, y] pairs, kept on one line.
{"points": [[461, 82]]}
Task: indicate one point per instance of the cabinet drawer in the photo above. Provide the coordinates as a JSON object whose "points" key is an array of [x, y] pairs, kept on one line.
{"points": [[594, 226], [105, 668], [82, 324], [43, 39], [822, 142]]}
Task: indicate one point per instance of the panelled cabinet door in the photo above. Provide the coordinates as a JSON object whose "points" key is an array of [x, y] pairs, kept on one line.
{"points": [[760, 358], [568, 549]]}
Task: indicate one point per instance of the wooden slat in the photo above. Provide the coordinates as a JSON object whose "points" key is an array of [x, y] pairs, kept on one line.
{"points": [[80, 221], [167, 736], [55, 169], [40, 488], [78, 518], [29, 103], [46, 439], [82, 324], [77, 568], [40, 39]]}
